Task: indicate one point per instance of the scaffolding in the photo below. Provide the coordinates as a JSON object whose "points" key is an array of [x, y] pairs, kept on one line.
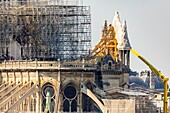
{"points": [[44, 32]]}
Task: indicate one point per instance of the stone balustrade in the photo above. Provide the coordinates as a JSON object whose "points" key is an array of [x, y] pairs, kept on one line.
{"points": [[46, 65]]}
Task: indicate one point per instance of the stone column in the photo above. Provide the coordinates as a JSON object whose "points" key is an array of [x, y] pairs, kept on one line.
{"points": [[29, 105], [128, 58], [14, 78], [37, 94], [81, 95], [58, 96], [60, 104], [28, 77], [7, 77], [123, 56], [21, 75]]}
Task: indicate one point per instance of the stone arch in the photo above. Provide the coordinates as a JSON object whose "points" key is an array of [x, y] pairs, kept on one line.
{"points": [[87, 102], [50, 81], [89, 93], [70, 82]]}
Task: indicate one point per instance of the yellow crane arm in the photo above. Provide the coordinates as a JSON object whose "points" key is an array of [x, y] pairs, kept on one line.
{"points": [[158, 73]]}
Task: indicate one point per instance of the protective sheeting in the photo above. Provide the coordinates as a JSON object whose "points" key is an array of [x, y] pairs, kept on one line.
{"points": [[119, 106]]}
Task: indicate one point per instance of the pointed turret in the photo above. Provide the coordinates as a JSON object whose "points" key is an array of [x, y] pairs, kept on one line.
{"points": [[104, 31], [125, 44], [116, 23], [116, 20], [122, 38]]}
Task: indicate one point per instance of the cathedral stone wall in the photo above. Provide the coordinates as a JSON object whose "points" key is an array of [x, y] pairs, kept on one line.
{"points": [[0, 78], [49, 77]]}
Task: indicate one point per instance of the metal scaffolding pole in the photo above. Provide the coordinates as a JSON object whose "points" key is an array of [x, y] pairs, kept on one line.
{"points": [[44, 32]]}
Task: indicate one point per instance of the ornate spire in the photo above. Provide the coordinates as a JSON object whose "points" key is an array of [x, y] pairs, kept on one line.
{"points": [[121, 33], [105, 28], [125, 44], [116, 20]]}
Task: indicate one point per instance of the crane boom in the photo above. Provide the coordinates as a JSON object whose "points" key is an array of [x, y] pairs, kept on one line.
{"points": [[158, 73]]}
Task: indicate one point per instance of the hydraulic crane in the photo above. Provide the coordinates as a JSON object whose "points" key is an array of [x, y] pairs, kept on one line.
{"points": [[158, 73]]}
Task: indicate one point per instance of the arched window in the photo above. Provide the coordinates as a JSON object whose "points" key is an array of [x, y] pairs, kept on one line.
{"points": [[48, 87], [66, 105], [70, 98], [109, 65]]}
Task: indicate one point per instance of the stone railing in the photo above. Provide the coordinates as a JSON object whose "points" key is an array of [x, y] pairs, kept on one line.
{"points": [[42, 65], [29, 65]]}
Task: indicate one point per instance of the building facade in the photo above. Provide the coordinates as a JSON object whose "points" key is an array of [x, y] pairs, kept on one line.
{"points": [[44, 67]]}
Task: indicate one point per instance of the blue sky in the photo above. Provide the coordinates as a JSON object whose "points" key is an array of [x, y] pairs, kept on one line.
{"points": [[148, 24]]}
